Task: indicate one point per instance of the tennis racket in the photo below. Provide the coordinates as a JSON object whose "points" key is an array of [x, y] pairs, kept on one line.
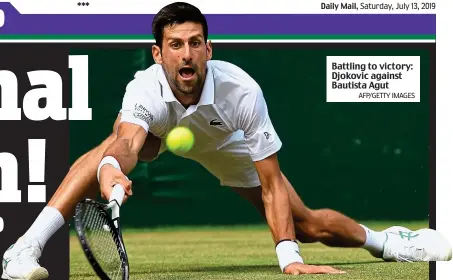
{"points": [[98, 229]]}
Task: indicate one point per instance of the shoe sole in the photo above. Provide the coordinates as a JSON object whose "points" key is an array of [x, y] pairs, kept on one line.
{"points": [[449, 255], [37, 274]]}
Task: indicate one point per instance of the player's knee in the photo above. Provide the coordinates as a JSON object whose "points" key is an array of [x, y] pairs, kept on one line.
{"points": [[309, 232], [313, 228], [305, 236], [150, 148], [145, 156]]}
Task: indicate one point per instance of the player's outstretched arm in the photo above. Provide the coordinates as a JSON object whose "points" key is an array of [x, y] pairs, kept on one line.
{"points": [[263, 143], [280, 220], [120, 158], [276, 199]]}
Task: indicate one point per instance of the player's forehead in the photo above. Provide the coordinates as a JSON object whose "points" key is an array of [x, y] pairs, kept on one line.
{"points": [[183, 31]]}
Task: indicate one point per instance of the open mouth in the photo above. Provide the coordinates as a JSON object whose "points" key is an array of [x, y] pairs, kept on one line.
{"points": [[186, 72]]}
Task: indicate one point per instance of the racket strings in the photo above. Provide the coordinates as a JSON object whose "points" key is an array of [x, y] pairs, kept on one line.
{"points": [[101, 240]]}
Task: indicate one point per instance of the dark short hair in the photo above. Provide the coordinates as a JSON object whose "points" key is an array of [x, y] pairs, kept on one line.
{"points": [[177, 13]]}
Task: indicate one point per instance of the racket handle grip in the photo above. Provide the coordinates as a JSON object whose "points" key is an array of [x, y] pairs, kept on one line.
{"points": [[117, 194]]}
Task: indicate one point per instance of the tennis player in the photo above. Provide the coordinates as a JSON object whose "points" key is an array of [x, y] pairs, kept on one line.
{"points": [[235, 141]]}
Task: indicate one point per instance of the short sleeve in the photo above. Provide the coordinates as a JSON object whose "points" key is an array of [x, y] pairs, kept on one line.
{"points": [[260, 136], [142, 105]]}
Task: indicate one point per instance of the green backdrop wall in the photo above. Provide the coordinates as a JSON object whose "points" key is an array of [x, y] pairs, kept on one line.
{"points": [[367, 160]]}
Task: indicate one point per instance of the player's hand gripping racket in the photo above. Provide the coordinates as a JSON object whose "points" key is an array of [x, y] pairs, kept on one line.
{"points": [[100, 236]]}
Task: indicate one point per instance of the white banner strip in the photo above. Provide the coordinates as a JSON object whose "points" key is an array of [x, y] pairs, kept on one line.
{"points": [[444, 133], [227, 7]]}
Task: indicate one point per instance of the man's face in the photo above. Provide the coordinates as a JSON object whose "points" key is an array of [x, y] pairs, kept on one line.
{"points": [[183, 56]]}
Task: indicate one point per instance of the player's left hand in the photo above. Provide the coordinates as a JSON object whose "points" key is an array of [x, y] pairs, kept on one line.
{"points": [[300, 268]]}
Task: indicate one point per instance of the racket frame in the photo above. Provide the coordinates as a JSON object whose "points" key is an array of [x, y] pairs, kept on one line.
{"points": [[116, 235]]}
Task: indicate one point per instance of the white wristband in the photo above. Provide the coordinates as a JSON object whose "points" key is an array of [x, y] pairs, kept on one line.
{"points": [[288, 253], [108, 160]]}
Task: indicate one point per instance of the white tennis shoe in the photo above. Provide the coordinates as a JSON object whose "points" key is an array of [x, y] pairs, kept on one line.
{"points": [[20, 261], [424, 245]]}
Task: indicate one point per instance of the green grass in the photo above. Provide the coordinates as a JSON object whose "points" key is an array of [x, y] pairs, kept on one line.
{"points": [[240, 252]]}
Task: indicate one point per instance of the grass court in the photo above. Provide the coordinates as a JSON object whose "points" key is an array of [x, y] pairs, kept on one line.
{"points": [[239, 252]]}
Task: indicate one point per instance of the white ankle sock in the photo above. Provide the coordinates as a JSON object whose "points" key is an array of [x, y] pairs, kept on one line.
{"points": [[45, 225], [374, 241]]}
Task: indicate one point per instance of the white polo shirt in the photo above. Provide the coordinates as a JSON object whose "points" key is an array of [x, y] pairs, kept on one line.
{"points": [[230, 123]]}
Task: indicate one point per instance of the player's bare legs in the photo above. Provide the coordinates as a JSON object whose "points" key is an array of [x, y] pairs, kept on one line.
{"points": [[324, 225], [21, 260], [80, 182], [336, 230]]}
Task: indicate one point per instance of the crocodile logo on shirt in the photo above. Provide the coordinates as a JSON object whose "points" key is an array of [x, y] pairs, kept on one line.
{"points": [[215, 122]]}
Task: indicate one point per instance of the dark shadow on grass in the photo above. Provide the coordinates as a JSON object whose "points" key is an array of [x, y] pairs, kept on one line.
{"points": [[236, 268], [347, 263], [150, 270]]}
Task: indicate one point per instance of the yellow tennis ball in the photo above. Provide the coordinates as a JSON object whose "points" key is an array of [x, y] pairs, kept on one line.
{"points": [[180, 140]]}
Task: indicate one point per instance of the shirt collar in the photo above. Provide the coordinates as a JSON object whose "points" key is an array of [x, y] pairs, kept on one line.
{"points": [[207, 94]]}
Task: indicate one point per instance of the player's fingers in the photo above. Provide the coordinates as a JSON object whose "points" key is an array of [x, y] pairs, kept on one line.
{"points": [[105, 193], [324, 270], [331, 270], [126, 184], [128, 188], [334, 270]]}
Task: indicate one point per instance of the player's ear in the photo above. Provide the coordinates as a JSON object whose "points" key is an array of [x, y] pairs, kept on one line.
{"points": [[209, 49], [157, 54]]}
